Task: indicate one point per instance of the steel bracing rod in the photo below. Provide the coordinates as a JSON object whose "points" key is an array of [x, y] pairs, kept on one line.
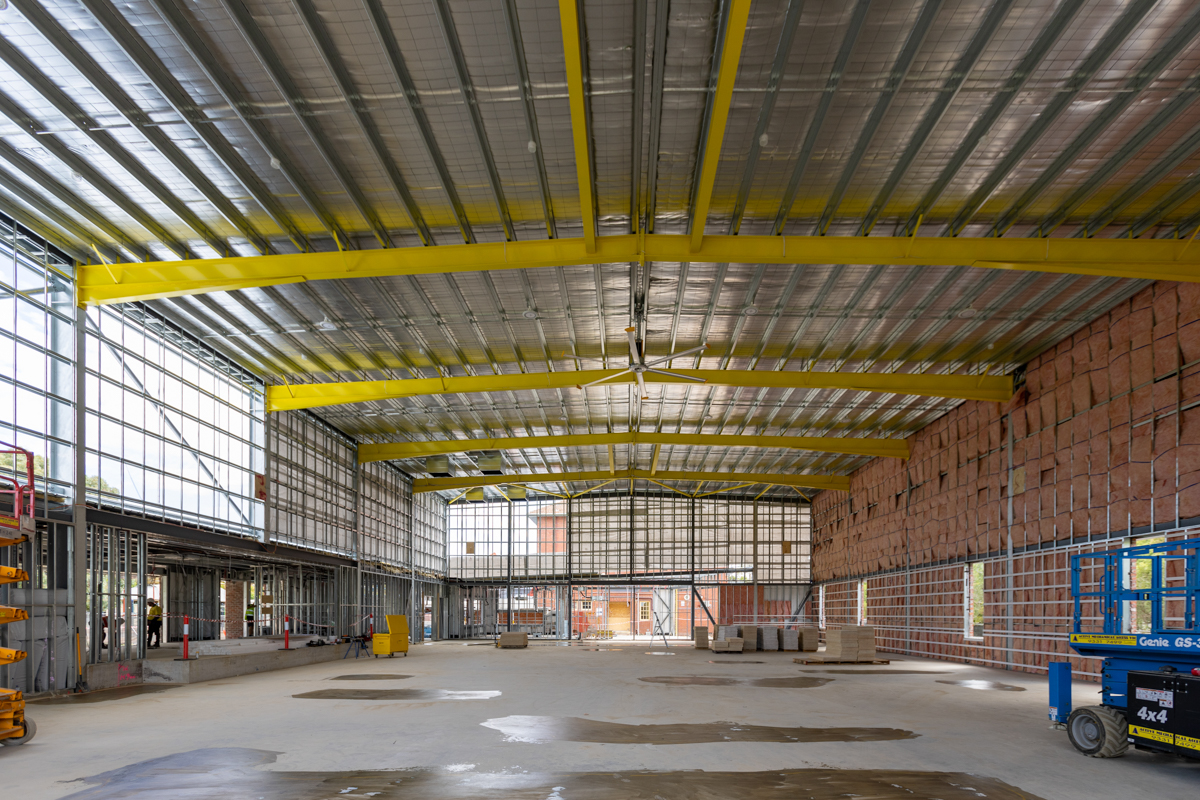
{"points": [[190, 39], [232, 322], [88, 127], [891, 86], [112, 92], [513, 22], [946, 95], [857, 18], [1112, 164], [93, 176], [731, 34], [182, 311], [387, 39], [986, 121], [662, 10], [787, 35], [51, 186], [319, 33], [837, 482], [1113, 38], [265, 319], [269, 60], [47, 212], [1131, 91], [1182, 151], [467, 88]]}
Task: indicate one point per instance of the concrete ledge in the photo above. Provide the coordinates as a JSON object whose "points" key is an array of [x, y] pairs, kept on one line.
{"points": [[214, 667], [110, 674]]}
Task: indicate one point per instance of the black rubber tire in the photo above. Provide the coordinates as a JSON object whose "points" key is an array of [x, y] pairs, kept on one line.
{"points": [[1098, 731], [30, 732]]}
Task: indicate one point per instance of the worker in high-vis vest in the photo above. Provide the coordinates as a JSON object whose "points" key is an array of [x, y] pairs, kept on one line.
{"points": [[154, 624], [250, 619]]}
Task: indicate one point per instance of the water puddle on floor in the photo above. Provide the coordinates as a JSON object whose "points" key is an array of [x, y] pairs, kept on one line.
{"points": [[880, 671], [985, 685], [104, 695], [537, 730], [220, 774], [394, 694], [373, 676], [712, 680]]}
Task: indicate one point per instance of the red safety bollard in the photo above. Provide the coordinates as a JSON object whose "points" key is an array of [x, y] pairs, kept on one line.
{"points": [[287, 625], [371, 629], [185, 638]]}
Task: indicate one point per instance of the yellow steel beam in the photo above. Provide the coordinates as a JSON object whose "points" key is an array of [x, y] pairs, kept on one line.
{"points": [[885, 448], [1152, 259], [731, 56], [992, 388], [835, 482], [612, 460], [568, 13]]}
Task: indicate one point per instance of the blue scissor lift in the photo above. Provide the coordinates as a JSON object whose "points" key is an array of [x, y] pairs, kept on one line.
{"points": [[1151, 678]]}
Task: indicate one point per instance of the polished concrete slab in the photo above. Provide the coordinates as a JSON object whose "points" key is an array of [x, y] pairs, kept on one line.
{"points": [[599, 731]]}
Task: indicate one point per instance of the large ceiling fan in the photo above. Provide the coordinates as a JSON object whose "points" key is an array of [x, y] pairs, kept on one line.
{"points": [[639, 366]]}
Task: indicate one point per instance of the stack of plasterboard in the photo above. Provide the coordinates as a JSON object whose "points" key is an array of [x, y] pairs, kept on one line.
{"points": [[810, 639], [512, 639], [850, 643], [768, 638], [727, 632], [700, 637], [749, 633], [789, 639], [733, 645]]}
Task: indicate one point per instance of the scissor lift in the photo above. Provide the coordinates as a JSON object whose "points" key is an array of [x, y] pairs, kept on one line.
{"points": [[15, 727], [1151, 678]]}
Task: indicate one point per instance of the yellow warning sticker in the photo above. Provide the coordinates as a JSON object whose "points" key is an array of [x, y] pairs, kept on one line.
{"points": [[1190, 742], [1150, 733], [1104, 638]]}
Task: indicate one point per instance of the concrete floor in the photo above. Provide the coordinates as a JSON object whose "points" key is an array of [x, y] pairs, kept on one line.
{"points": [[273, 745]]}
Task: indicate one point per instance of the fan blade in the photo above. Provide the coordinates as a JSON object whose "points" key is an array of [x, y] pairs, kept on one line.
{"points": [[677, 375], [602, 380], [634, 358], [677, 355], [642, 386]]}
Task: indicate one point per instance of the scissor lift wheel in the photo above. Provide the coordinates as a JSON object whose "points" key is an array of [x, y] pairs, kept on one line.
{"points": [[30, 732], [1098, 731]]}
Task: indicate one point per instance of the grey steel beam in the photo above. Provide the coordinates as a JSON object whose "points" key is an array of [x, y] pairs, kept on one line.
{"points": [[1140, 139], [895, 79], [1004, 97], [319, 33], [190, 39], [525, 85], [183, 312], [467, 87], [662, 11], [639, 101], [87, 126], [37, 222], [1132, 89], [1174, 198], [112, 92], [391, 48], [269, 59], [946, 95], [33, 128], [818, 119], [1099, 55], [49, 184], [787, 35], [50, 213]]}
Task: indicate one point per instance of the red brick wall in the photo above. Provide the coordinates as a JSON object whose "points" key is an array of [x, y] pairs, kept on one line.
{"points": [[1106, 441]]}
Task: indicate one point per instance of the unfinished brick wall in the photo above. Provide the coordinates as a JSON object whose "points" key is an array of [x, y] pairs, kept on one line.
{"points": [[1105, 443]]}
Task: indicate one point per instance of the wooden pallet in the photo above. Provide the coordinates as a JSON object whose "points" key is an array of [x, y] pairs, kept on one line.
{"points": [[822, 660]]}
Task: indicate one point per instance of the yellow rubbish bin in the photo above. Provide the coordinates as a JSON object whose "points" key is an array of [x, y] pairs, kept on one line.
{"points": [[395, 640]]}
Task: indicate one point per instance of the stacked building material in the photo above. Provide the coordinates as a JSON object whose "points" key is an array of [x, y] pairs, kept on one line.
{"points": [[768, 638], [727, 632], [732, 645], [810, 639], [789, 639], [749, 634], [513, 640], [850, 643], [700, 637]]}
